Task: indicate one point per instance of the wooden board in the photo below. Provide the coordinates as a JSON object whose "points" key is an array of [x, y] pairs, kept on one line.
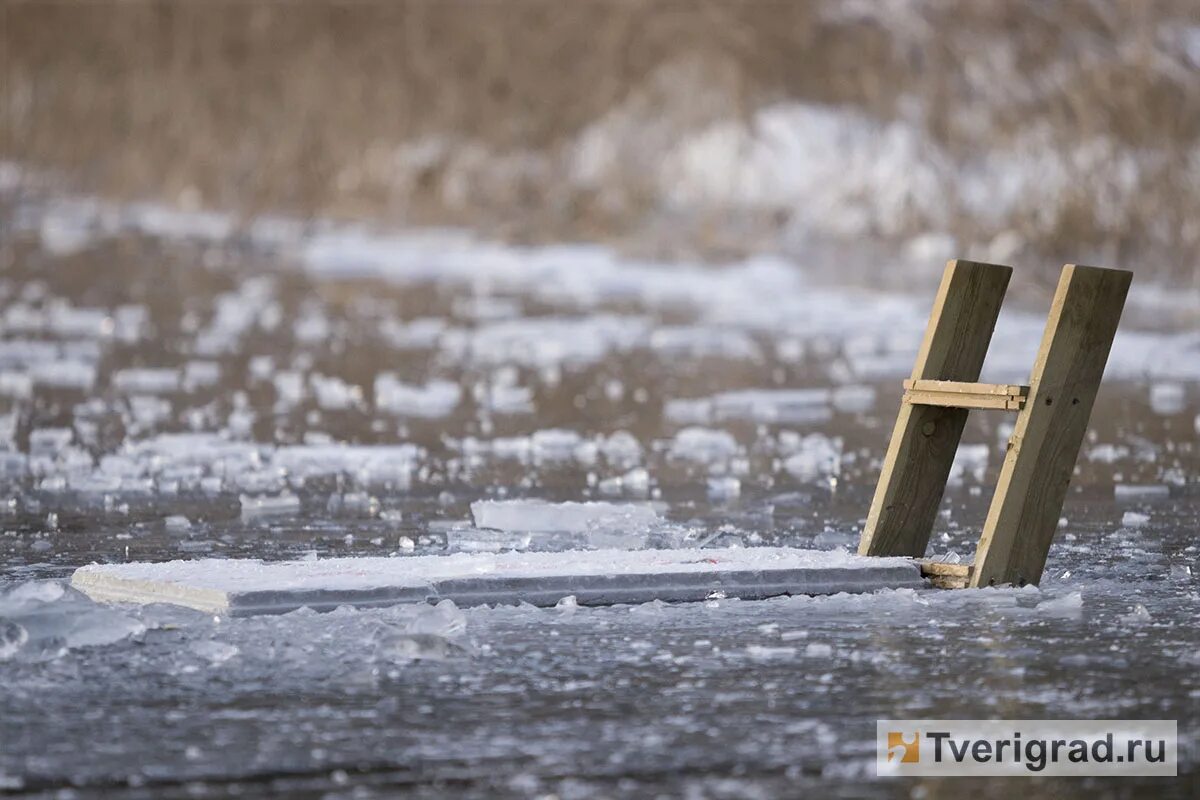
{"points": [[1049, 431], [960, 394], [926, 437], [964, 387], [594, 577], [945, 575], [997, 402]]}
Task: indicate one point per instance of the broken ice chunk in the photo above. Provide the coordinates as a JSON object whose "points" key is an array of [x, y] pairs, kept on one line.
{"points": [[256, 508], [830, 539], [334, 394], [539, 516], [469, 539], [765, 652], [1138, 615], [555, 444], [635, 483], [622, 450], [435, 399], [425, 633], [1131, 491], [12, 638], [721, 489], [200, 374], [289, 389], [1107, 453], [1134, 519], [854, 399], [1167, 399], [500, 399], [812, 457], [695, 341], [684, 411], [47, 619], [12, 464], [402, 647], [773, 405], [177, 523], [146, 381], [704, 446], [1068, 605], [49, 441], [18, 385], [214, 652]]}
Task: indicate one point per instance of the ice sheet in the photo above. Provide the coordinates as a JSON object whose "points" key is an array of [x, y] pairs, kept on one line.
{"points": [[597, 577]]}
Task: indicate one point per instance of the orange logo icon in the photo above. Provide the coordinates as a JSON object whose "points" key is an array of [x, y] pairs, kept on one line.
{"points": [[908, 752]]}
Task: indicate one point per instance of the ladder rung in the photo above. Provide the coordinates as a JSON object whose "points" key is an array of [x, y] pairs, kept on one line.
{"points": [[958, 394]]}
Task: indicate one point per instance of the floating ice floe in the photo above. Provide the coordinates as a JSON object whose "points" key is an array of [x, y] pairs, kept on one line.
{"points": [[502, 399], [1134, 519], [64, 374], [539, 516], [210, 462], [17, 385], [200, 375], [261, 508], [724, 488], [790, 406], [42, 620], [704, 342], [634, 483], [432, 633], [1107, 453], [370, 465], [621, 449], [13, 465], [704, 446], [557, 445], [435, 399], [1134, 491], [811, 457], [1067, 605], [334, 394], [417, 334], [1167, 399], [146, 381], [854, 398], [546, 341]]}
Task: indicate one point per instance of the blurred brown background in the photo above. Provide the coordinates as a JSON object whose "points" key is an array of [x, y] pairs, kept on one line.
{"points": [[542, 120]]}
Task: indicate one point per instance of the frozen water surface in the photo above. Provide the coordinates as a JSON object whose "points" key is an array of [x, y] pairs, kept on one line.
{"points": [[267, 393]]}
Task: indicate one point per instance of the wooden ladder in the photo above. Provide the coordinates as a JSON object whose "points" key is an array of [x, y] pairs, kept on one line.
{"points": [[1052, 417]]}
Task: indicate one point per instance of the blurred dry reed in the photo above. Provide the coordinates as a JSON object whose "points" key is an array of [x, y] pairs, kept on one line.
{"points": [[432, 111]]}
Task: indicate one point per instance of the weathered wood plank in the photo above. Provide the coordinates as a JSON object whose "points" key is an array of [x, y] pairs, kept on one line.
{"points": [[957, 570], [925, 438], [948, 581], [944, 575], [1049, 431]]}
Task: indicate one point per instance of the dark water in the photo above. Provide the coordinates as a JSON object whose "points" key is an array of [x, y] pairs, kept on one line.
{"points": [[186, 395]]}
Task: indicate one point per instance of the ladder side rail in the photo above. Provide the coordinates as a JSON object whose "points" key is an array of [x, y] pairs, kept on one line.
{"points": [[925, 437], [1049, 431]]}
